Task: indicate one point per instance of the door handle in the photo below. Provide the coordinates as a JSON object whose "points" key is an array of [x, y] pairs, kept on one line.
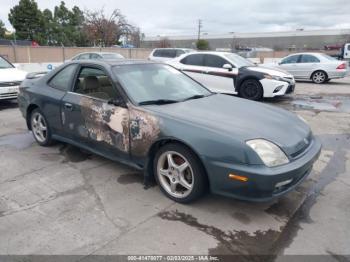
{"points": [[68, 106]]}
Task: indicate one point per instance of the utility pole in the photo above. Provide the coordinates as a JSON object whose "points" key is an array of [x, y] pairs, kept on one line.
{"points": [[199, 28]]}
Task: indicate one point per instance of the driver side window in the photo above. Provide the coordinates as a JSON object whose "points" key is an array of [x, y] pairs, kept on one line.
{"points": [[290, 60], [95, 83]]}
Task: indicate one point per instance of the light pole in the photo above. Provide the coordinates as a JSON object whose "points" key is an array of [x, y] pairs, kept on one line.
{"points": [[233, 48]]}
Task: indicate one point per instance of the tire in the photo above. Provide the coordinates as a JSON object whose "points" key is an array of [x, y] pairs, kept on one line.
{"points": [[177, 181], [40, 128], [319, 77], [251, 89]]}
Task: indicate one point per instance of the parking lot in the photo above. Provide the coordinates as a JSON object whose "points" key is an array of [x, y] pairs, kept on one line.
{"points": [[59, 200]]}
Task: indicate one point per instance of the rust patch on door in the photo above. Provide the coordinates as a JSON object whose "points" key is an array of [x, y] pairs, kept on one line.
{"points": [[144, 131], [105, 123]]}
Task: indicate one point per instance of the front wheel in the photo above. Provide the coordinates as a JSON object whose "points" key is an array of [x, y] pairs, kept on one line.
{"points": [[179, 173], [319, 77], [251, 89], [40, 128]]}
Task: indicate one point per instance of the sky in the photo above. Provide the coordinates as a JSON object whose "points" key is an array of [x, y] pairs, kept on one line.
{"points": [[180, 17]]}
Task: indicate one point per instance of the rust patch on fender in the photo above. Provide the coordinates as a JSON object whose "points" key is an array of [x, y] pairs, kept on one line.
{"points": [[105, 123], [144, 131]]}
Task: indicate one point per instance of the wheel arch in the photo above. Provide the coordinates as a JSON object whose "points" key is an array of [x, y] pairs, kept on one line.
{"points": [[319, 70], [30, 109], [249, 77], [159, 143]]}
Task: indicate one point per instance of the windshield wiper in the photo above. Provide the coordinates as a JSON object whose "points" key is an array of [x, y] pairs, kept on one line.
{"points": [[158, 102], [197, 97]]}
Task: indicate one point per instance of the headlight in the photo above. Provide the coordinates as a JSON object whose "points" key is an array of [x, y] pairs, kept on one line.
{"points": [[278, 78], [269, 153]]}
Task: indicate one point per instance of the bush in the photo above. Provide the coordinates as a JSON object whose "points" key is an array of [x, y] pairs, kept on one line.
{"points": [[202, 44]]}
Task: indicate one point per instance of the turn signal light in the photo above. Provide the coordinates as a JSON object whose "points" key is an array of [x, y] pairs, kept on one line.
{"points": [[237, 177], [342, 66]]}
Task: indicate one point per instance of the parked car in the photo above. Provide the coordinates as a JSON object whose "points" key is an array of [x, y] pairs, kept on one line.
{"points": [[157, 119], [230, 73], [318, 67], [98, 56], [10, 79], [166, 54]]}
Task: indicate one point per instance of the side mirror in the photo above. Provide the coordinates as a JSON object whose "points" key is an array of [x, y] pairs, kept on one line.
{"points": [[116, 102], [228, 67]]}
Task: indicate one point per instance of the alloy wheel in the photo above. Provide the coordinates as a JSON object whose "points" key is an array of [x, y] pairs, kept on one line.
{"points": [[39, 127], [319, 77], [175, 174]]}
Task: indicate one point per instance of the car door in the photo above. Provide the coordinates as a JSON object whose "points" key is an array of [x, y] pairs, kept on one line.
{"points": [[205, 69], [290, 64], [219, 79], [307, 65], [91, 115], [59, 85]]}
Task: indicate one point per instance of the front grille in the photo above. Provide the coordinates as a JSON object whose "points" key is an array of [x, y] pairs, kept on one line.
{"points": [[9, 95], [11, 83]]}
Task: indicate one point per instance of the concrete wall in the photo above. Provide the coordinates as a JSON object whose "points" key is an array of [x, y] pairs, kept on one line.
{"points": [[28, 54]]}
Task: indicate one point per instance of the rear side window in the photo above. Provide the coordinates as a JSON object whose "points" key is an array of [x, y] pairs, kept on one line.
{"points": [[84, 56], [214, 61], [179, 52], [170, 53], [291, 60], [197, 60], [63, 78], [309, 59], [95, 56]]}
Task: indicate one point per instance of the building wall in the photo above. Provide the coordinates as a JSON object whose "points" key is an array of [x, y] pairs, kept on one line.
{"points": [[303, 40]]}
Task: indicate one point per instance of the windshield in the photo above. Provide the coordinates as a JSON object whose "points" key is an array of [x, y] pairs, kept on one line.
{"points": [[5, 64], [152, 82], [238, 61], [112, 56]]}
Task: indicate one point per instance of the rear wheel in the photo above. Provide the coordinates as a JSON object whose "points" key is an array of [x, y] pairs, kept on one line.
{"points": [[251, 89], [40, 128], [179, 173], [319, 77]]}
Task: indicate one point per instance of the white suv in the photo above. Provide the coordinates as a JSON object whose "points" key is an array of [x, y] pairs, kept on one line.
{"points": [[229, 73], [10, 79], [165, 54]]}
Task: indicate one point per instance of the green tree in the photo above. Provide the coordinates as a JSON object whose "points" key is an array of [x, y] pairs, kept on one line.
{"points": [[67, 25], [2, 29], [26, 19], [202, 44]]}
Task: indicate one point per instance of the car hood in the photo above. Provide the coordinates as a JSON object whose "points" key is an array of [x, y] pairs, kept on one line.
{"points": [[239, 119], [12, 74], [270, 71]]}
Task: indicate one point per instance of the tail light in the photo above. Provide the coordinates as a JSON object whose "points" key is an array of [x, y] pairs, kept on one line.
{"points": [[342, 66]]}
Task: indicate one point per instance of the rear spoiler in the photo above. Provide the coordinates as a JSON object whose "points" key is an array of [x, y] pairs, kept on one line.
{"points": [[36, 75]]}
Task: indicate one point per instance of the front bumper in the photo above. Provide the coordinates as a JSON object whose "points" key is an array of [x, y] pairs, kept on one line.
{"points": [[8, 92], [273, 88], [262, 180]]}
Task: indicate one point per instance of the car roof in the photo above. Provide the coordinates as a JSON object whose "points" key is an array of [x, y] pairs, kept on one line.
{"points": [[109, 63], [306, 53], [211, 53]]}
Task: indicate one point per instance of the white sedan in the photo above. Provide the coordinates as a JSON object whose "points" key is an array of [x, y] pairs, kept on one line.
{"points": [[318, 67], [228, 73], [10, 79]]}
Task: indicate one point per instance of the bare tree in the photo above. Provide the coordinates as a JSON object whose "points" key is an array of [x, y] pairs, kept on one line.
{"points": [[105, 31], [164, 43]]}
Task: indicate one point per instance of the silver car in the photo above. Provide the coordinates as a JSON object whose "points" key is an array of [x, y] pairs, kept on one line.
{"points": [[318, 67]]}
